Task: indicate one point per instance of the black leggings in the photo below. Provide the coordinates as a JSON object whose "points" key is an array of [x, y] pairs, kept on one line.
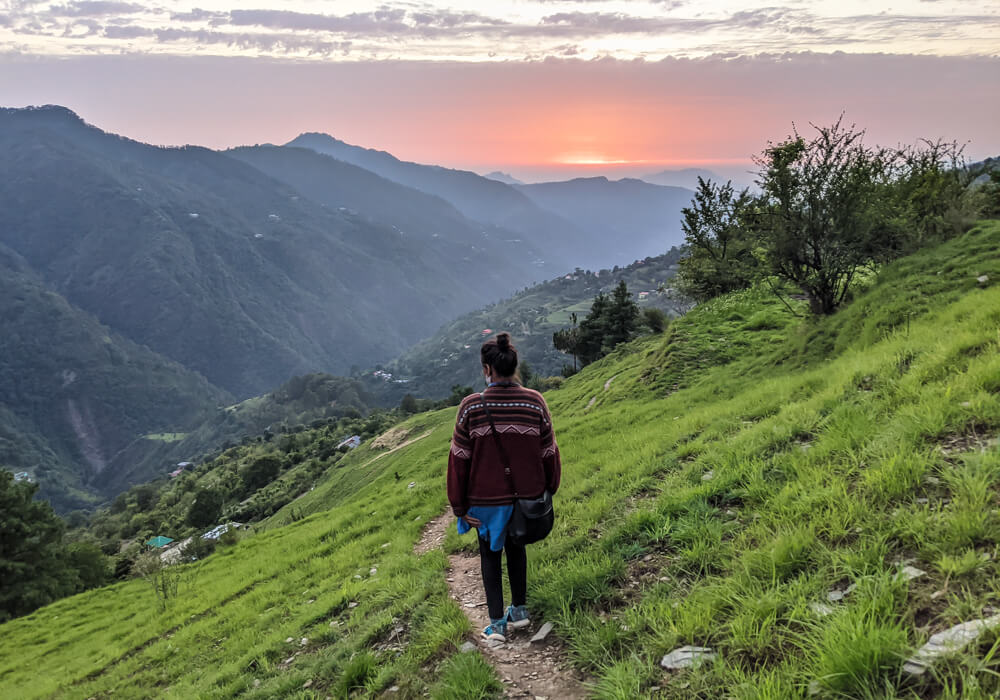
{"points": [[517, 572]]}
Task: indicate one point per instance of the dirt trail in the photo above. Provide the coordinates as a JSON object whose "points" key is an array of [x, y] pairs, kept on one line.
{"points": [[527, 670]]}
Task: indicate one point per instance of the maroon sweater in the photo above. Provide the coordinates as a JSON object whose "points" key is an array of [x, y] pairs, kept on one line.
{"points": [[475, 470]]}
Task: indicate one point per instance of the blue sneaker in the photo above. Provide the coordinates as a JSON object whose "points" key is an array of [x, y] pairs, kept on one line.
{"points": [[517, 616], [496, 631]]}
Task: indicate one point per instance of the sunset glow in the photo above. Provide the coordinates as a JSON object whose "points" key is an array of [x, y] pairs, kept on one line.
{"points": [[541, 89]]}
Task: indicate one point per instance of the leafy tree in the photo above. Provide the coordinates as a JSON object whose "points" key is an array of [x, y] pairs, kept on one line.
{"points": [[409, 404], [568, 339], [612, 320], [206, 508], [934, 187], [33, 568], [146, 496], [458, 392], [719, 240], [826, 212], [90, 564], [259, 473], [623, 318], [654, 319], [593, 328]]}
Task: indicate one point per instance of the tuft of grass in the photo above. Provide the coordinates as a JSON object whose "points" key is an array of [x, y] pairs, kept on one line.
{"points": [[467, 676]]}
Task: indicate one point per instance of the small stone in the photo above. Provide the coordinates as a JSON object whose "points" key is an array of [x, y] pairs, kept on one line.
{"points": [[911, 572], [256, 682], [372, 571], [352, 604], [937, 594], [358, 576], [394, 689], [307, 684], [386, 545], [289, 640], [310, 601], [983, 279], [542, 633], [965, 404], [950, 640], [835, 596], [333, 623], [708, 476], [686, 657], [648, 557], [494, 643], [821, 609], [467, 647], [303, 641], [411, 484], [289, 660], [923, 501]]}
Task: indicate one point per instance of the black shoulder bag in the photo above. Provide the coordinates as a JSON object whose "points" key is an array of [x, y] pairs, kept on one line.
{"points": [[532, 518]]}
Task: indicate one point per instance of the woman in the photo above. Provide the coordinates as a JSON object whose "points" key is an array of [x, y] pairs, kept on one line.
{"points": [[481, 493]]}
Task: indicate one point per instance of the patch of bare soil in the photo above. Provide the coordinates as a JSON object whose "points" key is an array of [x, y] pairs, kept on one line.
{"points": [[400, 446], [527, 670], [390, 439], [970, 441]]}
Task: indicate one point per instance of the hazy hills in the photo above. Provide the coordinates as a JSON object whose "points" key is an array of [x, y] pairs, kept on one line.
{"points": [[183, 278], [211, 262], [557, 218], [635, 217], [75, 395]]}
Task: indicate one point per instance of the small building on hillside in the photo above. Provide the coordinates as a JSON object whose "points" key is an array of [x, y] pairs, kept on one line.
{"points": [[643, 295], [486, 332], [159, 541], [351, 442], [24, 476], [219, 530]]}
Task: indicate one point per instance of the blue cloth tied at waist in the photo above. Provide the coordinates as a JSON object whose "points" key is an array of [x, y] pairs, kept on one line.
{"points": [[494, 521]]}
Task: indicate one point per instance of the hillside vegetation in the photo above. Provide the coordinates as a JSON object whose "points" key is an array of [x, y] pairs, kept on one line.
{"points": [[720, 481], [532, 315], [76, 394]]}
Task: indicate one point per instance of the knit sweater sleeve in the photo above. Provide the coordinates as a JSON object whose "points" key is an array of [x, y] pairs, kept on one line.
{"points": [[551, 461], [459, 463]]}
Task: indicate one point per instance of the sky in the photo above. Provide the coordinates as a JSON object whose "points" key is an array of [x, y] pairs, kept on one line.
{"points": [[544, 89]]}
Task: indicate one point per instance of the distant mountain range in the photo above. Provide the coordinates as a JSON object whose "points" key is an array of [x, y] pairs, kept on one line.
{"points": [[145, 287], [630, 216], [506, 178], [683, 177]]}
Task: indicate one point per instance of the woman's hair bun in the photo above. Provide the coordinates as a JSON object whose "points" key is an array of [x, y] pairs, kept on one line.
{"points": [[503, 341]]}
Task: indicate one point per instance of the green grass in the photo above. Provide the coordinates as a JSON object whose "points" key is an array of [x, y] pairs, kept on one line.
{"points": [[729, 477]]}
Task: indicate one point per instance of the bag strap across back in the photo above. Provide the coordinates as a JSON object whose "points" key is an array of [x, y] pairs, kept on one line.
{"points": [[500, 447]]}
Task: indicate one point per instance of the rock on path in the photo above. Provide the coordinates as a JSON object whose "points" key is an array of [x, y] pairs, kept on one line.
{"points": [[527, 670]]}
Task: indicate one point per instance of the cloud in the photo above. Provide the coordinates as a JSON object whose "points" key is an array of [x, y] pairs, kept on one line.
{"points": [[381, 22], [127, 32], [278, 43], [411, 29], [96, 8], [199, 15]]}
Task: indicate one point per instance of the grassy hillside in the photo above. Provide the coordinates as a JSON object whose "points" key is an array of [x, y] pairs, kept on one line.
{"points": [[785, 458]]}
